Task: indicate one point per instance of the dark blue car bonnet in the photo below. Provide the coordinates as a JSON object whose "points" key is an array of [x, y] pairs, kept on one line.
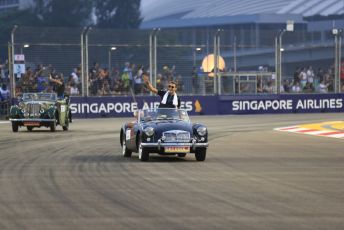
{"points": [[166, 125]]}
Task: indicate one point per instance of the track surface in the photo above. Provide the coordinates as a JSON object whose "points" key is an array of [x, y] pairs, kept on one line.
{"points": [[253, 178]]}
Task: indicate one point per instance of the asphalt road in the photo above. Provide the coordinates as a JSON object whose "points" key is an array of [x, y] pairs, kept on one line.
{"points": [[253, 178]]}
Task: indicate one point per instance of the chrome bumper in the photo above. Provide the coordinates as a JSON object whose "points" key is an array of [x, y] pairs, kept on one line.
{"points": [[160, 144], [32, 120]]}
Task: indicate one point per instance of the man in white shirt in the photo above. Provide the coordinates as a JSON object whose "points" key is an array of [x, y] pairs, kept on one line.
{"points": [[296, 88], [323, 88], [75, 76], [4, 92]]}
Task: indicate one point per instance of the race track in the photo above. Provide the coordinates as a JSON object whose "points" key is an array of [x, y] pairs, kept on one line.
{"points": [[253, 178]]}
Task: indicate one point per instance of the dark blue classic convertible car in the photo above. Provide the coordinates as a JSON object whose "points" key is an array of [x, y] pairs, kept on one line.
{"points": [[164, 131]]}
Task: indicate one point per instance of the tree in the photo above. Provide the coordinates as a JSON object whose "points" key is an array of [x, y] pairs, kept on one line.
{"points": [[70, 13], [121, 14], [15, 17]]}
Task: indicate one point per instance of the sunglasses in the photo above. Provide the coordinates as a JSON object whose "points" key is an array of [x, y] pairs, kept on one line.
{"points": [[171, 86]]}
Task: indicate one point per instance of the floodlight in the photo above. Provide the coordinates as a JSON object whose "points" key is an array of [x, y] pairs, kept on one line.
{"points": [[290, 25]]}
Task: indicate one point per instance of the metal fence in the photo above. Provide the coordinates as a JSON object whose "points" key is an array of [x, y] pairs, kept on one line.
{"points": [[4, 109], [95, 62], [114, 60]]}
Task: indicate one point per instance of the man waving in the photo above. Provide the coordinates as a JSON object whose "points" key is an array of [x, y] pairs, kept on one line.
{"points": [[169, 98]]}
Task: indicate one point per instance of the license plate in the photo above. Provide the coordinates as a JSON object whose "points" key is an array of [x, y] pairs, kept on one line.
{"points": [[177, 149], [31, 123]]}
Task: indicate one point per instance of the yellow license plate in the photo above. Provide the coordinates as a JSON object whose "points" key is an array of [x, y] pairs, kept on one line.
{"points": [[31, 123], [177, 149]]}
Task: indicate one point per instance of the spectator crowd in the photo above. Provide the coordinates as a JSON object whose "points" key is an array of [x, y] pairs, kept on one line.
{"points": [[307, 80], [127, 80], [119, 81], [304, 80]]}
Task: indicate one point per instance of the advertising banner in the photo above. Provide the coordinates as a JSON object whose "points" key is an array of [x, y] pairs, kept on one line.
{"points": [[121, 106], [124, 106], [295, 103], [19, 65]]}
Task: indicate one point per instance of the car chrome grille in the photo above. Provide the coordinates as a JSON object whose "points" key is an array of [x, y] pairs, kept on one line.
{"points": [[176, 136], [33, 109]]}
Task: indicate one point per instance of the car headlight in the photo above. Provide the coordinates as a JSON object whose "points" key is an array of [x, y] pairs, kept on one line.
{"points": [[202, 130], [149, 131], [21, 105]]}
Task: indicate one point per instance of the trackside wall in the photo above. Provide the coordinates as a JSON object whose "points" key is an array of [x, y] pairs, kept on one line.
{"points": [[121, 106]]}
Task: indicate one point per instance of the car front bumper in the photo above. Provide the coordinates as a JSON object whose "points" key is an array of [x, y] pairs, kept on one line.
{"points": [[31, 120], [160, 146]]}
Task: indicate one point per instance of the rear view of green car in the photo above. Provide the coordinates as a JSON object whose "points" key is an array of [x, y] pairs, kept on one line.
{"points": [[35, 110]]}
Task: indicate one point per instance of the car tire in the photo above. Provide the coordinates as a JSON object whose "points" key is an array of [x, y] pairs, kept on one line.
{"points": [[29, 128], [14, 127], [201, 154], [53, 126], [181, 154], [125, 151], [143, 153]]}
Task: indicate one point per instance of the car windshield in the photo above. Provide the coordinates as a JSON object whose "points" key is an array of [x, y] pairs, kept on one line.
{"points": [[39, 97], [164, 114]]}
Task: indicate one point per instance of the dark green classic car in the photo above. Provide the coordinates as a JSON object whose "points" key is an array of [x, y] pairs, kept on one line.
{"points": [[40, 109]]}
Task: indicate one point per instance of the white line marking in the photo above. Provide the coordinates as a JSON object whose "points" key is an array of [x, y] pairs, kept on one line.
{"points": [[318, 132], [293, 130], [339, 135]]}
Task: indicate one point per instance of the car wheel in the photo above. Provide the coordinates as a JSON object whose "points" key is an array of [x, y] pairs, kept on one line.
{"points": [[181, 154], [125, 151], [14, 127], [53, 126], [29, 128], [201, 154], [143, 153]]}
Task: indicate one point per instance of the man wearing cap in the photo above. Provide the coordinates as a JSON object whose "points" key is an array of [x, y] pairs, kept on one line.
{"points": [[169, 98]]}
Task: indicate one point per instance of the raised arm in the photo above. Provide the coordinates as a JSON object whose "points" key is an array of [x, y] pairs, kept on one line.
{"points": [[148, 84], [55, 80]]}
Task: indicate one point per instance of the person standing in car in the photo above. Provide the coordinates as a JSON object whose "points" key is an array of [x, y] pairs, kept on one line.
{"points": [[59, 86], [169, 98]]}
